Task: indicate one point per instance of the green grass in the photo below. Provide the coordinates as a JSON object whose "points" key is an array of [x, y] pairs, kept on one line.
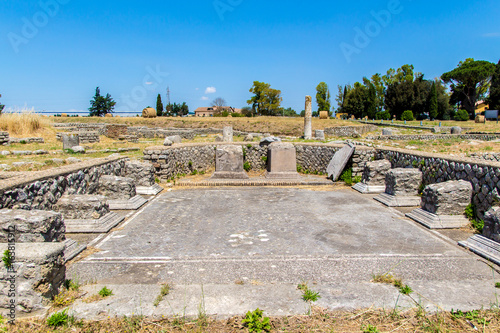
{"points": [[105, 292], [59, 319], [7, 259]]}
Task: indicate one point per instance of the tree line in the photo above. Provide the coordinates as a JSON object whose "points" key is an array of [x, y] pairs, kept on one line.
{"points": [[404, 93]]}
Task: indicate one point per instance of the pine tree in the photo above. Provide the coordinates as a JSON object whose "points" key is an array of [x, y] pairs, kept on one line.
{"points": [[433, 102], [100, 106], [494, 98], [159, 106]]}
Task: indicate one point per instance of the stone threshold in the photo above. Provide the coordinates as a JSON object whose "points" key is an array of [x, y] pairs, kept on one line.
{"points": [[483, 247], [433, 221], [369, 189], [398, 200], [99, 226], [149, 190], [131, 204]]}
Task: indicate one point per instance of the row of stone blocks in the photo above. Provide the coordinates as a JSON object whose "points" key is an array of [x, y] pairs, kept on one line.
{"points": [[442, 205], [4, 138]]}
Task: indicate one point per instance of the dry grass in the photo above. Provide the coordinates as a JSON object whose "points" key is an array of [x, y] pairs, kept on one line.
{"points": [[24, 124], [320, 320]]}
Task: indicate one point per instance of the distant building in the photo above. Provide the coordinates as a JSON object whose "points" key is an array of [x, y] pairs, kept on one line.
{"points": [[481, 106], [211, 110]]}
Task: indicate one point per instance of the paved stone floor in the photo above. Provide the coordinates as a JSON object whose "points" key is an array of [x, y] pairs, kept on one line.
{"points": [[231, 250]]}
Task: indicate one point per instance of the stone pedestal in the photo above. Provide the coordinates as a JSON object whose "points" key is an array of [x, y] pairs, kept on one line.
{"points": [[339, 161], [443, 205], [82, 207], [144, 176], [373, 180], [402, 187], [319, 135], [229, 163], [281, 161], [31, 226], [70, 141], [308, 119], [39, 274], [227, 134]]}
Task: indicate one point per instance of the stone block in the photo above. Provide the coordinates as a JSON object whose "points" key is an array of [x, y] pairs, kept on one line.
{"points": [[142, 173], [227, 134], [387, 131], [434, 221], [249, 138], [268, 140], [456, 130], [281, 161], [168, 142], [373, 180], [70, 141], [31, 226], [339, 161], [484, 247], [40, 273], [116, 188], [229, 163], [319, 135], [131, 204], [448, 198], [403, 182], [82, 206], [175, 138], [93, 226], [491, 228]]}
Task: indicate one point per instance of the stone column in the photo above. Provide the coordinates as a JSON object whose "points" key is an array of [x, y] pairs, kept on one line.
{"points": [[227, 134], [308, 119]]}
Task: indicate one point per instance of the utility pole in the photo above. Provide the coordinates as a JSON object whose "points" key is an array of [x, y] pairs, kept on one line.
{"points": [[168, 95]]}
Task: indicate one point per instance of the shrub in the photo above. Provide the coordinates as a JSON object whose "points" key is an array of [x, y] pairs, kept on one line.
{"points": [[346, 177], [255, 322], [407, 115], [383, 115], [58, 319], [247, 166], [462, 115], [105, 292], [7, 259]]}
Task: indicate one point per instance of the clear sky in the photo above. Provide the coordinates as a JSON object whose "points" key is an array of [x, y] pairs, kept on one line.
{"points": [[54, 53]]}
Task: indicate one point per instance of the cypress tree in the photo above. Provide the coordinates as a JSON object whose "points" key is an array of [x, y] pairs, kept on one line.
{"points": [[494, 99], [159, 106], [433, 102]]}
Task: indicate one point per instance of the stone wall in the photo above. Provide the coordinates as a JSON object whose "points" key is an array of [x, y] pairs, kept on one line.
{"points": [[4, 138], [42, 189], [484, 176], [183, 159], [85, 136], [495, 157], [27, 140], [114, 131], [349, 130], [81, 127], [482, 137]]}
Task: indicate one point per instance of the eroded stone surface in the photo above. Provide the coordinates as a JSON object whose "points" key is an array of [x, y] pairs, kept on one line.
{"points": [[229, 163], [83, 207], [116, 188], [403, 181], [281, 160], [339, 161], [375, 171], [308, 119], [227, 134], [448, 198], [142, 173], [33, 226], [70, 141]]}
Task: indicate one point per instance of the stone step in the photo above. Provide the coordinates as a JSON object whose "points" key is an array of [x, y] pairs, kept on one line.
{"points": [[398, 201], [368, 189], [100, 226], [433, 221], [149, 190], [484, 247], [72, 249], [132, 204]]}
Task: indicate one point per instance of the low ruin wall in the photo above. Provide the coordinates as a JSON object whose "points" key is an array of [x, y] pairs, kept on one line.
{"points": [[82, 127], [185, 158], [349, 130], [26, 140], [85, 137], [481, 137], [483, 175], [41, 189], [4, 138]]}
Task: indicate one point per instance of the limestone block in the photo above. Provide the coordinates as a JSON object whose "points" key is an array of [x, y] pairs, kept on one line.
{"points": [[403, 182], [227, 134], [70, 141], [168, 142], [375, 171], [229, 163], [339, 161], [269, 139], [83, 207], [387, 131], [319, 135], [281, 160], [142, 173], [31, 226], [448, 198], [116, 188], [175, 138], [491, 228], [456, 130], [40, 272]]}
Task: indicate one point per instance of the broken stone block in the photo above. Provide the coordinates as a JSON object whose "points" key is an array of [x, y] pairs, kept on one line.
{"points": [[116, 188], [83, 207], [174, 138], [373, 180], [142, 173], [339, 161], [281, 161], [448, 198], [227, 134], [70, 141], [402, 187], [40, 272], [229, 163], [456, 130], [31, 226], [491, 228], [268, 140], [403, 182], [319, 135], [443, 205]]}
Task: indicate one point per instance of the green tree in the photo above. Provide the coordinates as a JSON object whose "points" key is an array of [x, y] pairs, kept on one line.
{"points": [[399, 95], [159, 106], [266, 101], [323, 97], [469, 81], [433, 102], [494, 98], [354, 104], [100, 105], [218, 104], [378, 83], [421, 91], [443, 98], [370, 99], [341, 97]]}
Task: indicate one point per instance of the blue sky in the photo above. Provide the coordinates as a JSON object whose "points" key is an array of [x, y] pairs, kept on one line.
{"points": [[54, 53]]}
